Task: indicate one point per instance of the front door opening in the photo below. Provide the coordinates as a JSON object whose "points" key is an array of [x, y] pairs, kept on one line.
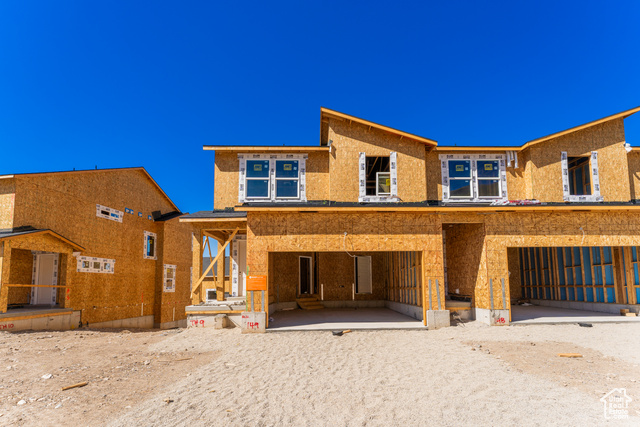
{"points": [[45, 269], [306, 275]]}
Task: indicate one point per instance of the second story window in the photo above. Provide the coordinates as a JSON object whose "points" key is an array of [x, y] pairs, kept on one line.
{"points": [[473, 177], [580, 178], [378, 178], [287, 177], [271, 177], [258, 179]]}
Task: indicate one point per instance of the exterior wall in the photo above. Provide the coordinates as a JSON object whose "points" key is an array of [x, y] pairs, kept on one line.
{"points": [[227, 168], [174, 249], [335, 275], [350, 139], [633, 159], [20, 273], [66, 203], [464, 244], [324, 232], [7, 200], [606, 138]]}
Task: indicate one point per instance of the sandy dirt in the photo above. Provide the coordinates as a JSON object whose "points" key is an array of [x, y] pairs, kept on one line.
{"points": [[461, 375]]}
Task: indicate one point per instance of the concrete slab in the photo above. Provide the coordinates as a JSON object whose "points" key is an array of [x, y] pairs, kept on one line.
{"points": [[541, 315], [337, 319]]}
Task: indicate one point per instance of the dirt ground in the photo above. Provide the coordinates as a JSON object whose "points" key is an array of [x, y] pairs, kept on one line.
{"points": [[469, 374]]}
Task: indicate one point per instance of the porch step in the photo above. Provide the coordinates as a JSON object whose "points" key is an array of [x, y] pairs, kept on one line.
{"points": [[309, 303]]}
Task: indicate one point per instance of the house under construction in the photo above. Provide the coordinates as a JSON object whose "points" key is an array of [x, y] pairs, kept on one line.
{"points": [[374, 217]]}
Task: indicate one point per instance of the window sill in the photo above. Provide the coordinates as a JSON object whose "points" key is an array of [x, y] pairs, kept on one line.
{"points": [[589, 199], [378, 199]]}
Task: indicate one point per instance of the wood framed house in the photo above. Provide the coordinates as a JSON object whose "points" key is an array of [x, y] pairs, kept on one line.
{"points": [[102, 248], [377, 217]]}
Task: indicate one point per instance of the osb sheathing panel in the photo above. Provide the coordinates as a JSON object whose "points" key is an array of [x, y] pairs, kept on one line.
{"points": [[633, 159], [285, 273], [226, 178], [175, 250], [607, 139], [335, 275], [66, 203], [516, 177], [20, 274], [350, 139], [513, 261], [466, 266], [7, 199], [298, 232]]}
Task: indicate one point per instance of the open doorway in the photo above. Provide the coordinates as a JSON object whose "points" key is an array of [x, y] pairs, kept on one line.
{"points": [[306, 275]]}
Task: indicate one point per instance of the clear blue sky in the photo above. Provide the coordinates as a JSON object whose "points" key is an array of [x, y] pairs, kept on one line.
{"points": [[147, 83]]}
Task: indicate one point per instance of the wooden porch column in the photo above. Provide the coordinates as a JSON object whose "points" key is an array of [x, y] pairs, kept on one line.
{"points": [[5, 262], [220, 272]]}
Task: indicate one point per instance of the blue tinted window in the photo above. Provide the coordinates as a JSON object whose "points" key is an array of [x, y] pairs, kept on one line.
{"points": [[257, 188], [287, 188], [488, 188], [460, 188], [287, 169], [257, 168], [459, 168], [488, 169]]}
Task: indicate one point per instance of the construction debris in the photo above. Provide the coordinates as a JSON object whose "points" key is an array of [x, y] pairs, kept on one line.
{"points": [[571, 355], [82, 384]]}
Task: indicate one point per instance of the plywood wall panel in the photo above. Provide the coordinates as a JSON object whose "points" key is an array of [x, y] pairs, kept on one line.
{"points": [[350, 139]]}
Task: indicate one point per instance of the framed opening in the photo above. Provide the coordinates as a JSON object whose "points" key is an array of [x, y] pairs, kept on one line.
{"points": [[579, 176], [363, 277], [306, 275], [378, 172]]}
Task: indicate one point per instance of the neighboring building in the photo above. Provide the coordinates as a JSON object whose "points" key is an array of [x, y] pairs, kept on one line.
{"points": [[374, 216], [97, 247]]}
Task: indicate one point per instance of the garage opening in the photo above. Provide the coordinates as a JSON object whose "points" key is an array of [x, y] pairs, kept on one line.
{"points": [[339, 290], [553, 284]]}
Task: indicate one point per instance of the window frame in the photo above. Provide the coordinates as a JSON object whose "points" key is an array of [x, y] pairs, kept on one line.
{"points": [[272, 178], [379, 194], [474, 179], [393, 177], [261, 178], [595, 195], [173, 277], [147, 235], [109, 213], [297, 179]]}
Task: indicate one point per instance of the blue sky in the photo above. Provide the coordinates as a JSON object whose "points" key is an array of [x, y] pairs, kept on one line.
{"points": [[147, 83]]}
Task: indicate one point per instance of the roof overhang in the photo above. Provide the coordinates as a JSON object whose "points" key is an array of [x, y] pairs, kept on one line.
{"points": [[445, 209], [43, 232], [326, 113], [240, 220], [262, 149]]}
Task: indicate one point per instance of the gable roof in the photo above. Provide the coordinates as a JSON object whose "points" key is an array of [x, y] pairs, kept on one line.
{"points": [[25, 230], [620, 115], [326, 113], [138, 168]]}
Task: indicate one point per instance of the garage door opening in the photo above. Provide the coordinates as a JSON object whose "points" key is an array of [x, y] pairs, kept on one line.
{"points": [[573, 284], [339, 290]]}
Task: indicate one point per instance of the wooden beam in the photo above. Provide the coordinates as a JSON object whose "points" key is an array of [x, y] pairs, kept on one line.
{"points": [[221, 253]]}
